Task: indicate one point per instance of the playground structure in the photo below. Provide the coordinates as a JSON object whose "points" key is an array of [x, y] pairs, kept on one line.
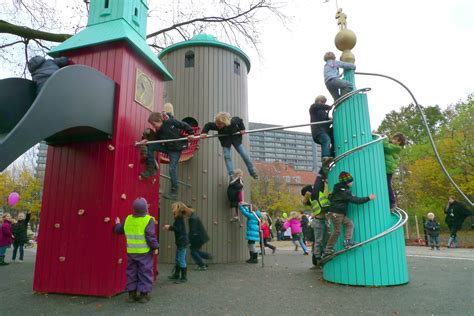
{"points": [[209, 77], [93, 165]]}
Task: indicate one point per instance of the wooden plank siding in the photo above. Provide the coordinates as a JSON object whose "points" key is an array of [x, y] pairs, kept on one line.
{"points": [[89, 176], [211, 86]]}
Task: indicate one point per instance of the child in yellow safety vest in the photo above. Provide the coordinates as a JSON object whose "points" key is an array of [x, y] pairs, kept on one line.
{"points": [[139, 230], [316, 197]]}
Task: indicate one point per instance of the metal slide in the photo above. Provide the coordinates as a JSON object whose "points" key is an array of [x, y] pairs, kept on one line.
{"points": [[76, 104]]}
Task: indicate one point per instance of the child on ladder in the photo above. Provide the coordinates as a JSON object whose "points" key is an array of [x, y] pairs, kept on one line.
{"points": [[235, 193], [392, 151], [165, 128], [322, 134], [294, 224], [226, 125], [253, 230], [340, 199], [139, 230], [331, 76]]}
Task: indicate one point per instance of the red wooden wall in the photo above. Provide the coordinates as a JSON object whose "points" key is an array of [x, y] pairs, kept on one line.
{"points": [[79, 254]]}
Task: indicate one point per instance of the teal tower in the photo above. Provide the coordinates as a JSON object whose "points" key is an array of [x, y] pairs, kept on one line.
{"points": [[381, 260]]}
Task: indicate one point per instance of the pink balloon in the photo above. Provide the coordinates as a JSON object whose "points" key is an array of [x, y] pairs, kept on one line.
{"points": [[13, 198]]}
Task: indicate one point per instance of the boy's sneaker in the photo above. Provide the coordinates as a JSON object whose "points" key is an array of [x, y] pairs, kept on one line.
{"points": [[20, 261], [170, 196], [235, 219], [274, 250], [202, 268], [149, 172], [306, 253], [13, 260], [349, 243], [254, 175], [328, 252], [143, 150]]}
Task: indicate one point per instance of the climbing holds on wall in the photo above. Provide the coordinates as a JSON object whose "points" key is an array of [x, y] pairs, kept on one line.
{"points": [[123, 196], [111, 148], [81, 212], [57, 225], [106, 219], [62, 259]]}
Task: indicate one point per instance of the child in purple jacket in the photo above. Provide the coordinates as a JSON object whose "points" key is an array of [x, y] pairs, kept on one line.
{"points": [[294, 223], [139, 229], [6, 237]]}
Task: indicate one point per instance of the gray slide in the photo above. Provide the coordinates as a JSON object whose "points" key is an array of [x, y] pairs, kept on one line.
{"points": [[76, 104]]}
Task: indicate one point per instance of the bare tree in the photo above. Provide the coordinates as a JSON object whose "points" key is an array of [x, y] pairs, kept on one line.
{"points": [[30, 27]]}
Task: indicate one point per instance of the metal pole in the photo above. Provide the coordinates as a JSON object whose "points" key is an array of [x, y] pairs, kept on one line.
{"points": [[425, 124], [258, 130], [179, 181]]}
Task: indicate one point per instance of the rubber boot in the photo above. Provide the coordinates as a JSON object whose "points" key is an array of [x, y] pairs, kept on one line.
{"points": [[251, 257], [175, 275], [254, 257], [132, 297], [2, 261], [184, 276]]}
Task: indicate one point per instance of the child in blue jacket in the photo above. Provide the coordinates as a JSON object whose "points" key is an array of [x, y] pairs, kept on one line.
{"points": [[331, 76], [253, 230]]}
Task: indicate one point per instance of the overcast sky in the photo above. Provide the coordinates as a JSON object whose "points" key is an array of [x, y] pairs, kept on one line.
{"points": [[427, 44]]}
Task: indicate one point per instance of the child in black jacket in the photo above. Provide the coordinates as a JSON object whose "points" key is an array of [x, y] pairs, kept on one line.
{"points": [[20, 232], [340, 198], [198, 237], [180, 213], [165, 128], [432, 228], [322, 134], [235, 193], [225, 125]]}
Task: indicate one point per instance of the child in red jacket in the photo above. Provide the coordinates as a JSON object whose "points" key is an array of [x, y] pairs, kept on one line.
{"points": [[265, 227], [6, 237]]}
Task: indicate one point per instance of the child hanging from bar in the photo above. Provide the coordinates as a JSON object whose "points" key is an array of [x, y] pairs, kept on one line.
{"points": [[235, 193], [392, 151], [340, 199], [164, 128], [331, 76], [139, 230], [253, 229], [322, 134], [228, 126]]}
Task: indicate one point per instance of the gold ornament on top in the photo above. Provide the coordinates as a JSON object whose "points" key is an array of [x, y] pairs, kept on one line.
{"points": [[345, 39]]}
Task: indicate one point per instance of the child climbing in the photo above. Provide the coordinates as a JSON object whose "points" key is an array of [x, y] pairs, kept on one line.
{"points": [[322, 134], [331, 76], [253, 230], [165, 128], [456, 213], [316, 197], [139, 230], [339, 199], [392, 151], [180, 213], [226, 125], [265, 227], [235, 193], [432, 228], [41, 69], [6, 237], [294, 224], [20, 233], [197, 238]]}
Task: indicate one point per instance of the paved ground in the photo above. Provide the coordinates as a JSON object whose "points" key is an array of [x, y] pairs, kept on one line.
{"points": [[441, 284]]}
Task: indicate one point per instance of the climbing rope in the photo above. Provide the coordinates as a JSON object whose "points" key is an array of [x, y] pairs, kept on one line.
{"points": [[426, 126]]}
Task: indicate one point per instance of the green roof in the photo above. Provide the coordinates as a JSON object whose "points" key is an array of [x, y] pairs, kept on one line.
{"points": [[206, 40], [111, 31]]}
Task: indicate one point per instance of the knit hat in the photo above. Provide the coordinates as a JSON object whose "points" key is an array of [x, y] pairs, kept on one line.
{"points": [[345, 177], [140, 206]]}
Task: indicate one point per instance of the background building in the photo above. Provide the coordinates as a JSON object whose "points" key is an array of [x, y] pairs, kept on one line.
{"points": [[289, 147]]}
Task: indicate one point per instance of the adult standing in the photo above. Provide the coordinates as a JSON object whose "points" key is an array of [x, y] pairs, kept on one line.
{"points": [[456, 213]]}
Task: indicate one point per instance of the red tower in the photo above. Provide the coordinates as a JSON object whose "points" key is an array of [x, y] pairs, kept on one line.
{"points": [[88, 184]]}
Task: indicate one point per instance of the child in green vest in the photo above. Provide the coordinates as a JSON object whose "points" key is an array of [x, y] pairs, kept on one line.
{"points": [[392, 151], [139, 230]]}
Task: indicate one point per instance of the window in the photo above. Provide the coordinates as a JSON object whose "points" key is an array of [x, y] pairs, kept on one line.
{"points": [[106, 4], [136, 11], [236, 67], [189, 59]]}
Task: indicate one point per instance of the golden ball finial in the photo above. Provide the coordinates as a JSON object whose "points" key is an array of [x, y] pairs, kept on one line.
{"points": [[345, 41]]}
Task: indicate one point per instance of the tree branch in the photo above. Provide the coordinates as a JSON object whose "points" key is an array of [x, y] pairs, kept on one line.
{"points": [[29, 33]]}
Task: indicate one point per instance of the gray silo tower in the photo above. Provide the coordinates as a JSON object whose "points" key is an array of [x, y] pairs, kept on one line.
{"points": [[209, 77]]}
